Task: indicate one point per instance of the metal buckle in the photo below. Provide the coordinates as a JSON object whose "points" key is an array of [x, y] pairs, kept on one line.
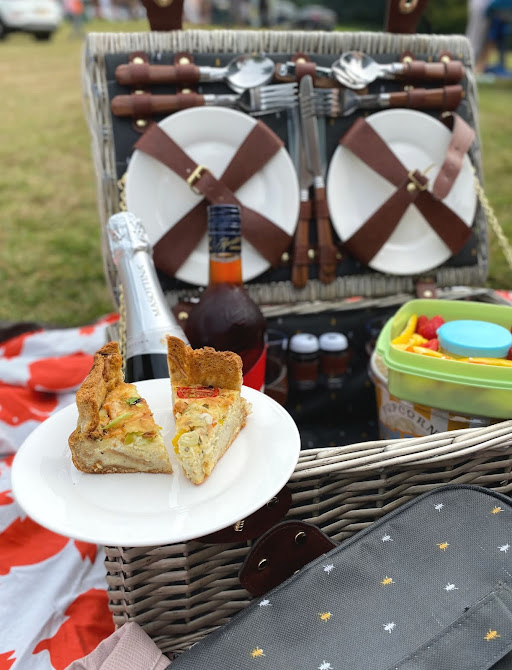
{"points": [[195, 176], [414, 183]]}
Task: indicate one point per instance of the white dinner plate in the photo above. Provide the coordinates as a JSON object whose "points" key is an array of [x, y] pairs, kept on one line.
{"points": [[143, 509], [211, 136], [355, 191]]}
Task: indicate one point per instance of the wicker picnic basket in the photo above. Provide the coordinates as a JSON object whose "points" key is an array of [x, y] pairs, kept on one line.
{"points": [[180, 592]]}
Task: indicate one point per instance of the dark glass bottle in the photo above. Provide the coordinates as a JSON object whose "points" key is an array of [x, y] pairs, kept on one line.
{"points": [[147, 316], [226, 318]]}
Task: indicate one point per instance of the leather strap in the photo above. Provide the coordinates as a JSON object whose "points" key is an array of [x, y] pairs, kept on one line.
{"points": [[462, 139], [300, 259], [281, 552], [257, 523], [164, 14], [403, 16], [260, 145], [411, 188]]}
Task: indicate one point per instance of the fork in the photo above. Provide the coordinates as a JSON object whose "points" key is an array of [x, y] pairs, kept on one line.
{"points": [[335, 102], [259, 100]]}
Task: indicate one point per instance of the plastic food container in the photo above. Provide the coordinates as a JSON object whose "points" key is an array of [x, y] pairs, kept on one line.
{"points": [[455, 386], [400, 418]]}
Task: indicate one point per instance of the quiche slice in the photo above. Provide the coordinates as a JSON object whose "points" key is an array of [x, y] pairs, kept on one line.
{"points": [[116, 430], [207, 405]]}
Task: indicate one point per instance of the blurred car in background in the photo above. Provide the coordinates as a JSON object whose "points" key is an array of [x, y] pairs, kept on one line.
{"points": [[40, 18], [316, 17]]}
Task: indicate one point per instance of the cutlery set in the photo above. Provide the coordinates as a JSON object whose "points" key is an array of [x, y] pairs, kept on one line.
{"points": [[308, 94]]}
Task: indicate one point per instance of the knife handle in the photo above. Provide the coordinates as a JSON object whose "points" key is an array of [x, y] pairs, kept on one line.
{"points": [[318, 82], [300, 259], [143, 74], [446, 98], [326, 248], [451, 72], [145, 104]]}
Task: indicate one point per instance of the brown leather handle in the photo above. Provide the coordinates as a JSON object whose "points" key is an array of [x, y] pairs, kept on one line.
{"points": [[143, 74], [145, 104], [403, 16], [300, 258], [450, 72], [326, 248], [446, 98], [164, 14]]}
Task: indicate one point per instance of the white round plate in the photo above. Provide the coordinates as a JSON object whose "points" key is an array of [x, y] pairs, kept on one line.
{"points": [[355, 191], [211, 136], [142, 509]]}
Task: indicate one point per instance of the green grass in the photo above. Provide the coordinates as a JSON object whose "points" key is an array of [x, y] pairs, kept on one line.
{"points": [[51, 266]]}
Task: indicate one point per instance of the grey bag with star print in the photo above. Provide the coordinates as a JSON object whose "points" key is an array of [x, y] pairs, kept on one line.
{"points": [[427, 587]]}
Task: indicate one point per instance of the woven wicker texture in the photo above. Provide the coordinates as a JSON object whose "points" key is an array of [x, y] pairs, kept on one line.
{"points": [[95, 87], [179, 593]]}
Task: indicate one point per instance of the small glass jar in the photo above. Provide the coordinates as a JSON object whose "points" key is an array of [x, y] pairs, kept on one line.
{"points": [[334, 358], [303, 361]]}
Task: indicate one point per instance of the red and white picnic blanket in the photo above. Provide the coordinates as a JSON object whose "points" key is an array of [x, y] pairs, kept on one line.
{"points": [[53, 599]]}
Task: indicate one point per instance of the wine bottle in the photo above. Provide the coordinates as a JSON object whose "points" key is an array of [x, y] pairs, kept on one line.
{"points": [[226, 317], [147, 316]]}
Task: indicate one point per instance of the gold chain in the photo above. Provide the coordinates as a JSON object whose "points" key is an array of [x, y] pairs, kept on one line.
{"points": [[493, 222]]}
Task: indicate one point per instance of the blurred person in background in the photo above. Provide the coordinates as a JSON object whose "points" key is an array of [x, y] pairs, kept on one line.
{"points": [[74, 11]]}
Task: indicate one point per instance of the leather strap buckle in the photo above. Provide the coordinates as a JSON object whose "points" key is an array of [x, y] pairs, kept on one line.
{"points": [[196, 174], [415, 183]]}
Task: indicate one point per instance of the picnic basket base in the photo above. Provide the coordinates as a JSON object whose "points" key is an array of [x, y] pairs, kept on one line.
{"points": [[181, 592]]}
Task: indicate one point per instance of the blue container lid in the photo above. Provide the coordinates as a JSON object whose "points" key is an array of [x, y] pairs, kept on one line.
{"points": [[474, 338]]}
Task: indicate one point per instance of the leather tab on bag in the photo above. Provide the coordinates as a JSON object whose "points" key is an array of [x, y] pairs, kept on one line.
{"points": [[462, 139], [164, 14], [256, 524], [280, 553], [188, 72], [426, 288], [403, 16]]}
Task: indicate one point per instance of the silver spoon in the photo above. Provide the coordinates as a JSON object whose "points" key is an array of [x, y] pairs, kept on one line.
{"points": [[363, 70], [242, 73]]}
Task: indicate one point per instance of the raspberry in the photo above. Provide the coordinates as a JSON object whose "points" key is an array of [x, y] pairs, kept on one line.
{"points": [[432, 344], [509, 355], [429, 329], [422, 320]]}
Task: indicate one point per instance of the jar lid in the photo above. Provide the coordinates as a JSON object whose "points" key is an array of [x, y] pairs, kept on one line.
{"points": [[474, 338], [333, 342], [304, 343]]}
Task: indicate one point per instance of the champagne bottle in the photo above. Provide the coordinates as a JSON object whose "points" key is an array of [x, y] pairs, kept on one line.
{"points": [[148, 318], [226, 318]]}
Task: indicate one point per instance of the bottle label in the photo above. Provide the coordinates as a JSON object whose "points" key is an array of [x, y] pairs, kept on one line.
{"points": [[222, 243], [150, 342]]}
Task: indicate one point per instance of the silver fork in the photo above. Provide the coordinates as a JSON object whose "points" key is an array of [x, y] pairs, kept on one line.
{"points": [[256, 101]]}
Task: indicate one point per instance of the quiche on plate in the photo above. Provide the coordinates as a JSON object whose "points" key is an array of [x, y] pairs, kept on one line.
{"points": [[116, 430], [207, 406]]}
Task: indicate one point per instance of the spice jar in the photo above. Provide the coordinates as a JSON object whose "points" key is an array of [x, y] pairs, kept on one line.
{"points": [[303, 361], [334, 357]]}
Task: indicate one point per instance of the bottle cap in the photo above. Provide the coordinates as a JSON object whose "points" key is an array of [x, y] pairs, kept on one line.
{"points": [[333, 342], [304, 343], [474, 338]]}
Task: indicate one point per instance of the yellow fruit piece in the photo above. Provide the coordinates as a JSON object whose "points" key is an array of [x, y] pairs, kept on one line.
{"points": [[407, 332], [417, 339], [428, 352], [503, 362]]}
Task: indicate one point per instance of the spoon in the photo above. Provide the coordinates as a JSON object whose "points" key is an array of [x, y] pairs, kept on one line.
{"points": [[363, 70], [242, 73]]}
